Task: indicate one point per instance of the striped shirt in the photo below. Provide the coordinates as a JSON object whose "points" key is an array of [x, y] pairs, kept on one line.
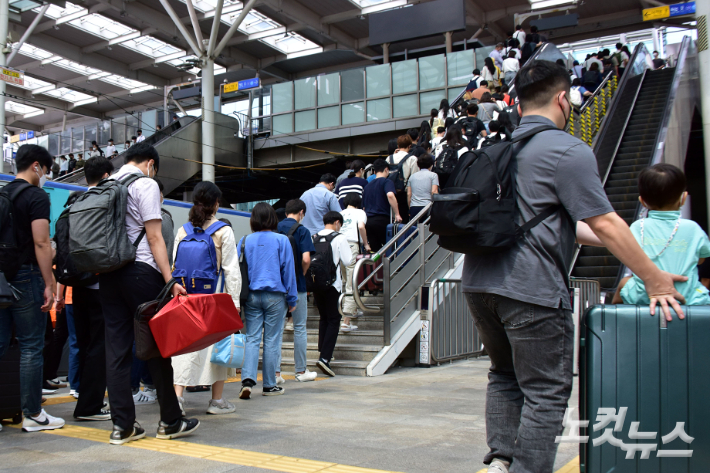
{"points": [[350, 185]]}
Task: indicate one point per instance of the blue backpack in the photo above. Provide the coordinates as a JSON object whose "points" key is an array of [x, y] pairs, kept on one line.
{"points": [[195, 264]]}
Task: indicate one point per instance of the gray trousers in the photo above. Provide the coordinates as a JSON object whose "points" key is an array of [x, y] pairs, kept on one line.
{"points": [[530, 379]]}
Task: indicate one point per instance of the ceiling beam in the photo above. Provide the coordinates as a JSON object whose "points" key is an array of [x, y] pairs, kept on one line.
{"points": [[357, 12], [597, 27], [48, 25], [476, 12], [106, 44]]}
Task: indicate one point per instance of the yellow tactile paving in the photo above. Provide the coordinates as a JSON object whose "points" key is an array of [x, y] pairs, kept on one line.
{"points": [[220, 454], [571, 467]]}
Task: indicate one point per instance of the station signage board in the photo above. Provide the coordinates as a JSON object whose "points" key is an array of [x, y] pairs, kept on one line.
{"points": [[669, 11], [12, 76], [242, 85]]}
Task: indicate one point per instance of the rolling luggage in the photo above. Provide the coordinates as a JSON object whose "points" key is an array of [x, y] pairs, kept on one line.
{"points": [[10, 405], [657, 373], [402, 242], [377, 283]]}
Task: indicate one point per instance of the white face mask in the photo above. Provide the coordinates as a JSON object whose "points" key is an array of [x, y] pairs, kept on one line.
{"points": [[42, 178], [152, 168]]}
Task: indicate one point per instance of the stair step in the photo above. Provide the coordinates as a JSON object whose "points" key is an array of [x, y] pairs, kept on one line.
{"points": [[340, 367], [343, 352], [615, 190], [366, 322], [358, 337]]}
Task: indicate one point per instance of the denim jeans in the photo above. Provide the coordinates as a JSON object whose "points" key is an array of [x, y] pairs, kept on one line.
{"points": [[30, 324], [300, 335], [139, 372], [73, 349], [265, 312], [530, 379]]}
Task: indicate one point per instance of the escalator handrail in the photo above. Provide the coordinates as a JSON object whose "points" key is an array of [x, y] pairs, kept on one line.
{"points": [[597, 92]]}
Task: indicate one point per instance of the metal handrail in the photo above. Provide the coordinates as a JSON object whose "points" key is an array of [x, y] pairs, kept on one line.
{"points": [[375, 258], [597, 92]]}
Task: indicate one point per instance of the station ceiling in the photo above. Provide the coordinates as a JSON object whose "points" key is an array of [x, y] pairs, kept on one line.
{"points": [[101, 58]]}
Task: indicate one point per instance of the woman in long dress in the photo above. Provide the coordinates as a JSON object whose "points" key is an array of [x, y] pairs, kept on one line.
{"points": [[195, 369]]}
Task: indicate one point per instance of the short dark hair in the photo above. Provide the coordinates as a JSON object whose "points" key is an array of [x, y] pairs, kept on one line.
{"points": [[511, 54], [576, 82], [661, 185], [160, 185], [294, 206], [413, 134], [472, 108], [379, 165], [142, 152], [353, 199], [425, 161], [533, 29], [95, 168], [619, 45], [518, 27], [328, 178], [29, 154], [139, 130], [134, 137], [331, 217], [110, 139], [263, 217], [440, 129], [538, 81], [494, 125], [484, 83], [476, 72]]}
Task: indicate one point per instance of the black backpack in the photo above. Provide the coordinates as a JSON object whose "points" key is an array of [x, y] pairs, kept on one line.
{"points": [[476, 214], [491, 140], [322, 272], [445, 164], [296, 256], [469, 128], [10, 258], [64, 270], [397, 173]]}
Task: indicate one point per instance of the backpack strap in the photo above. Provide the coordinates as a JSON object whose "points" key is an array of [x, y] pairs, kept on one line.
{"points": [[16, 191], [215, 227], [293, 229], [127, 181], [537, 219], [243, 244], [532, 132]]}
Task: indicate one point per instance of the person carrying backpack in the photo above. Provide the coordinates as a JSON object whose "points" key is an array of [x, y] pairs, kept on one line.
{"points": [[26, 265], [272, 292], [325, 280], [377, 200], [205, 256], [303, 249], [402, 164], [454, 148]]}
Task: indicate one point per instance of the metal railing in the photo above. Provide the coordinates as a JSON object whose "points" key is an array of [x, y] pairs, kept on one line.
{"points": [[452, 332], [408, 261], [586, 122]]}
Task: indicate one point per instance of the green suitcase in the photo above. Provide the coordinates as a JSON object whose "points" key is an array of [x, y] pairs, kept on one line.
{"points": [[660, 372]]}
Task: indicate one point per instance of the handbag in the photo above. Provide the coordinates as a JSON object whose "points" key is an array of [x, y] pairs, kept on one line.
{"points": [[230, 351], [146, 348], [244, 269]]}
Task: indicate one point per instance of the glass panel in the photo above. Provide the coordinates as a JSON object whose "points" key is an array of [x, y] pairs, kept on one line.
{"points": [[53, 146], [431, 72], [404, 76], [262, 102], [459, 66], [89, 136], [353, 113], [429, 100], [131, 127], [353, 84], [379, 109], [282, 124], [105, 131], [65, 142], [283, 97], [405, 106], [118, 131], [378, 80], [328, 89], [305, 93], [305, 120], [77, 135], [481, 55], [453, 93], [329, 116]]}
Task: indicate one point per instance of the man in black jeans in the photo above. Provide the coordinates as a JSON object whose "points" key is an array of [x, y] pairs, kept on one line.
{"points": [[123, 290], [377, 198]]}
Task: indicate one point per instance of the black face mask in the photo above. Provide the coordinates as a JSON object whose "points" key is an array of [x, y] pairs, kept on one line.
{"points": [[563, 108]]}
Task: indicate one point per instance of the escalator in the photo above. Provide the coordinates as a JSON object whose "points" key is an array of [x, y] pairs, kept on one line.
{"points": [[632, 138]]}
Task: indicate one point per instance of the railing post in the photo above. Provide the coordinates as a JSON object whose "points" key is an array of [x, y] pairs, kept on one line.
{"points": [[387, 298]]}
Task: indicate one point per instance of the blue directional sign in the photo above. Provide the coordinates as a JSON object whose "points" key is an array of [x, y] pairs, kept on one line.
{"points": [[253, 83], [23, 136], [680, 9], [30, 135]]}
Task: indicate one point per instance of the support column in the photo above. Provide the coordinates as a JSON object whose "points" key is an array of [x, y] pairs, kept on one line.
{"points": [[449, 44], [4, 20], [702, 14], [208, 131], [386, 53]]}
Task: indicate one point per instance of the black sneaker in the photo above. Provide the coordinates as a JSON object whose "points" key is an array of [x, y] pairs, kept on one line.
{"points": [[103, 414], [324, 366], [245, 393], [179, 428], [273, 391], [120, 436]]}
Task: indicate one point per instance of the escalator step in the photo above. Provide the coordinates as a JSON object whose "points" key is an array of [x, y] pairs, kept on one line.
{"points": [[596, 271], [627, 214], [620, 176], [630, 159], [621, 183], [626, 205], [594, 251], [614, 198], [607, 283], [592, 261], [632, 147]]}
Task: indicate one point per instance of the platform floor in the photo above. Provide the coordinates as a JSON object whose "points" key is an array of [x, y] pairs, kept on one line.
{"points": [[410, 420]]}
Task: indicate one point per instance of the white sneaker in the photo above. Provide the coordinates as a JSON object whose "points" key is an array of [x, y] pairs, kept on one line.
{"points": [[42, 422], [280, 380], [220, 407], [181, 401], [498, 466], [74, 394], [353, 327], [46, 392], [289, 326], [307, 376], [142, 397]]}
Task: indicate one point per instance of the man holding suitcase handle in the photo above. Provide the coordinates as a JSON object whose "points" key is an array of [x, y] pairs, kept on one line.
{"points": [[526, 323]]}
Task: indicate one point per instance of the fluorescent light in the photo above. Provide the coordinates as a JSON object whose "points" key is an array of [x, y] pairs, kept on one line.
{"points": [[98, 75], [33, 114], [73, 16], [85, 101], [52, 59], [44, 89], [141, 89], [126, 37], [536, 4], [169, 57]]}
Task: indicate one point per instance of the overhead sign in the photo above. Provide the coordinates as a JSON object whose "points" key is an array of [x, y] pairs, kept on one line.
{"points": [[23, 136], [14, 138], [668, 11], [241, 85], [30, 135], [12, 76]]}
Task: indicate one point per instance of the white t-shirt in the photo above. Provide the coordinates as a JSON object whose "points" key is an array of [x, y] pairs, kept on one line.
{"points": [[489, 76], [64, 166], [437, 144], [351, 220], [140, 138], [511, 65], [110, 149], [342, 256], [520, 36]]}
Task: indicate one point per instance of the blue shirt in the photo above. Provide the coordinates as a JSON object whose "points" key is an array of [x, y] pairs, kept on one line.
{"points": [[689, 244], [371, 177], [270, 260], [374, 197], [304, 244], [319, 201], [351, 185]]}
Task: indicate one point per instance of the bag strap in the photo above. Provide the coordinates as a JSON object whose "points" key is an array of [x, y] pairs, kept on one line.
{"points": [[536, 220], [16, 191], [534, 131], [164, 294], [243, 243], [215, 227], [293, 229], [127, 181]]}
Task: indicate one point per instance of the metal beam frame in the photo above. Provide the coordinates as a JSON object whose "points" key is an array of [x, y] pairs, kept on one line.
{"points": [[27, 34]]}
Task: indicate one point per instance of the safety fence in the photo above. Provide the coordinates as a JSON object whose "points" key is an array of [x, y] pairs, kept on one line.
{"points": [[585, 122]]}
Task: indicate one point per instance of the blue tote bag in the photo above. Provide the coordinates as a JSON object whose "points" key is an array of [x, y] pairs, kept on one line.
{"points": [[230, 351]]}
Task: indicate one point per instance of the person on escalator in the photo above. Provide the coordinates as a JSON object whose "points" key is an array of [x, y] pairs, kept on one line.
{"points": [[110, 148], [674, 244]]}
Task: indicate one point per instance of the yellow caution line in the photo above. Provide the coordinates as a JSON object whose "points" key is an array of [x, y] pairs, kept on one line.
{"points": [[571, 467], [58, 400], [219, 454]]}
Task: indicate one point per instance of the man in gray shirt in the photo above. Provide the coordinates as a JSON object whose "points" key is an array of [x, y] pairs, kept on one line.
{"points": [[520, 300]]}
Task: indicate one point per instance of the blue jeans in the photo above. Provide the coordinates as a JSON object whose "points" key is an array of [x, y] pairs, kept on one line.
{"points": [[30, 324], [530, 379], [300, 335], [73, 349], [264, 312], [139, 372]]}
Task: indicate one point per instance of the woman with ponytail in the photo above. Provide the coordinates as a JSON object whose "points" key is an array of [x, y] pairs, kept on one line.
{"points": [[195, 369], [353, 184]]}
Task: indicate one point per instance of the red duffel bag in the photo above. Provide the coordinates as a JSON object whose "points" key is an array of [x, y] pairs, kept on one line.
{"points": [[193, 322]]}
